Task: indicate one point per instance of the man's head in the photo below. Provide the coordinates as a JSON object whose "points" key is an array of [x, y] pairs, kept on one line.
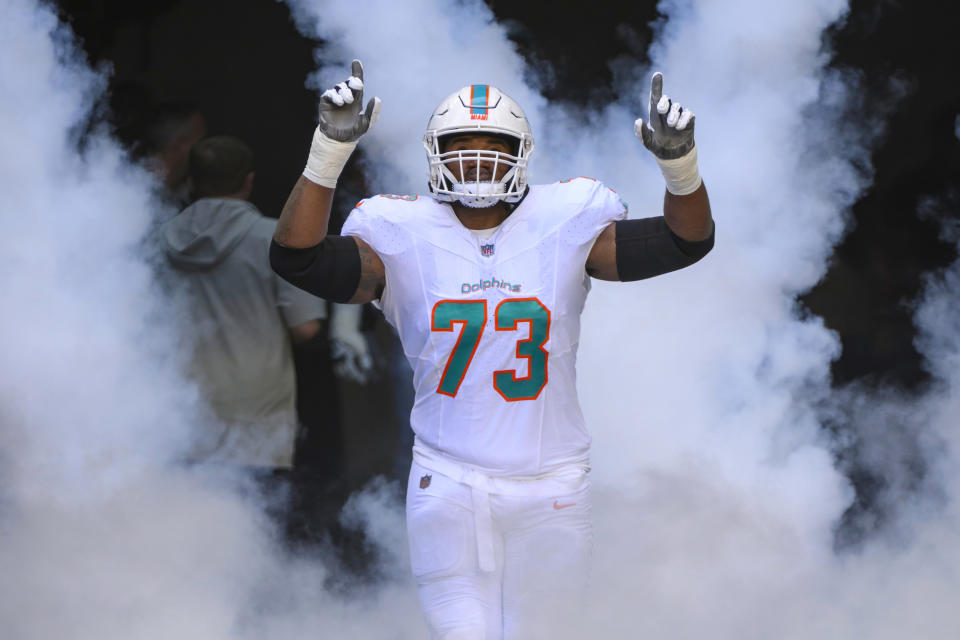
{"points": [[221, 167], [478, 142], [173, 129]]}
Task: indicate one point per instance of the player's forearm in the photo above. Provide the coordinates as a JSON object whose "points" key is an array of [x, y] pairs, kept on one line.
{"points": [[668, 134], [337, 268], [689, 216], [303, 221]]}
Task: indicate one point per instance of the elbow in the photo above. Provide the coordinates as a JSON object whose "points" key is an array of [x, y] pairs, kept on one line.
{"points": [[648, 247], [288, 262], [696, 250]]}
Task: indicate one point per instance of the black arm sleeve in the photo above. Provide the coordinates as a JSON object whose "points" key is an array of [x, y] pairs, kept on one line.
{"points": [[329, 270], [647, 248]]}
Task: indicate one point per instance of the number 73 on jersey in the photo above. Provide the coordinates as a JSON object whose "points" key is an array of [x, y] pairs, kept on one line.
{"points": [[510, 314]]}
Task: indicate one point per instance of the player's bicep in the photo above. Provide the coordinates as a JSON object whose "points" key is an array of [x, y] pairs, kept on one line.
{"points": [[602, 260], [372, 275]]}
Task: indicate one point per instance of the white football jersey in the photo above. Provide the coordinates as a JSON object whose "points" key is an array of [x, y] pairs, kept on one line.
{"points": [[491, 326]]}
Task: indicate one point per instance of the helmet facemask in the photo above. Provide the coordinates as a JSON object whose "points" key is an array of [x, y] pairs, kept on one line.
{"points": [[479, 187]]}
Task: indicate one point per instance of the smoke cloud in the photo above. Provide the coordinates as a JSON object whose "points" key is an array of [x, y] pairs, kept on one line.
{"points": [[99, 536], [102, 535], [716, 492]]}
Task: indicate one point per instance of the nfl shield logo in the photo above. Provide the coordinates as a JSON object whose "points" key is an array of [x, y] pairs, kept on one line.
{"points": [[486, 249], [425, 481]]}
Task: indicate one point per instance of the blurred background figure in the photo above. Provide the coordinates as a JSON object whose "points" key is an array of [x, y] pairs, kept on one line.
{"points": [[159, 133], [242, 321], [209, 57], [259, 346], [243, 318], [349, 349], [170, 134]]}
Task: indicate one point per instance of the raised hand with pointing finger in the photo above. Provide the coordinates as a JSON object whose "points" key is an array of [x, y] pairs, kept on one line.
{"points": [[668, 134], [343, 120]]}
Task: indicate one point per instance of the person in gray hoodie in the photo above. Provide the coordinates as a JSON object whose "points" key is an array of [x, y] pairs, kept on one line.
{"points": [[243, 316]]}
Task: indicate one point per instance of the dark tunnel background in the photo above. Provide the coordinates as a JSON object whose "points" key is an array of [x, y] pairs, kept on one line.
{"points": [[243, 65]]}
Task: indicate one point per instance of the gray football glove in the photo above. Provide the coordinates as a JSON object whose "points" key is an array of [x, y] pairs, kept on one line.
{"points": [[341, 125], [349, 350], [668, 133], [341, 118]]}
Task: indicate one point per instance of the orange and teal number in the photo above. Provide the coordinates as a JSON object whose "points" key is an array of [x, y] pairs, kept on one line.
{"points": [[471, 315], [510, 314]]}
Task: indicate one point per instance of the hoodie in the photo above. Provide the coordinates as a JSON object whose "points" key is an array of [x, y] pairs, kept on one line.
{"points": [[239, 314], [207, 231]]}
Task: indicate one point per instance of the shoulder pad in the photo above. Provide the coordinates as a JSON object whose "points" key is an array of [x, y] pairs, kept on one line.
{"points": [[586, 182], [586, 191], [389, 196], [584, 185], [387, 203]]}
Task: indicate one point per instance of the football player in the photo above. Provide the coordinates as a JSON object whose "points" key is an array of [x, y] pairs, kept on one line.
{"points": [[484, 279]]}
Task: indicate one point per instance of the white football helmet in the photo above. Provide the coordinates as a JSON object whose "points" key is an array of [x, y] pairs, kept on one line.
{"points": [[478, 108]]}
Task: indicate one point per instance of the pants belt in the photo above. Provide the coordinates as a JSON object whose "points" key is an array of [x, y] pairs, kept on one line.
{"points": [[483, 524], [482, 485]]}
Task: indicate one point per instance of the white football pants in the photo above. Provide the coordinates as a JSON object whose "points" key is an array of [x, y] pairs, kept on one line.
{"points": [[498, 559]]}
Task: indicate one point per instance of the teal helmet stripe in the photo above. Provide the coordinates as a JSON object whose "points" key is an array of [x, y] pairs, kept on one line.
{"points": [[478, 99]]}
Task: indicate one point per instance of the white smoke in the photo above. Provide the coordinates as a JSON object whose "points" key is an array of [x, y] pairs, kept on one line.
{"points": [[100, 539], [716, 491], [101, 535], [716, 495], [413, 57]]}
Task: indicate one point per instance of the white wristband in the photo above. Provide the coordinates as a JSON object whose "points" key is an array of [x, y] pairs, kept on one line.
{"points": [[681, 174], [326, 159]]}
